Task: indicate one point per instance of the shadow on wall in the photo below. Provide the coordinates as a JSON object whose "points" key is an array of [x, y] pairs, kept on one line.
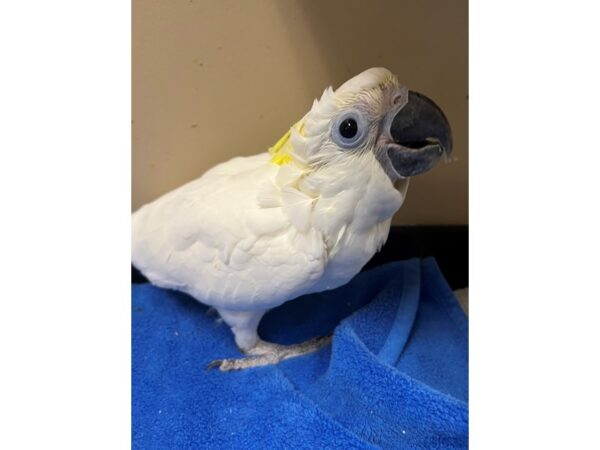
{"points": [[424, 42]]}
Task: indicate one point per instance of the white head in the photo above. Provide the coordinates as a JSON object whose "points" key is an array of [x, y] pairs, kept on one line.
{"points": [[372, 112]]}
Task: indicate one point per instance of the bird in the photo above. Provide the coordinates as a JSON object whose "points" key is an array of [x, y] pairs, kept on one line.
{"points": [[303, 217]]}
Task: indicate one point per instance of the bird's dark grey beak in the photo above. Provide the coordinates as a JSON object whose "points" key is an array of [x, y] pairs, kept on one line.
{"points": [[421, 134]]}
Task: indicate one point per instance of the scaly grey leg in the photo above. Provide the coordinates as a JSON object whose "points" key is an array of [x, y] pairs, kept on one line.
{"points": [[266, 353]]}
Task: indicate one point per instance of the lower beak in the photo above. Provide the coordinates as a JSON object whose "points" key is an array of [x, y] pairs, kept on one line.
{"points": [[421, 135]]}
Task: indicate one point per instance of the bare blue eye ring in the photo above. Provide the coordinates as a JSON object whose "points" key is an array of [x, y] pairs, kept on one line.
{"points": [[349, 129]]}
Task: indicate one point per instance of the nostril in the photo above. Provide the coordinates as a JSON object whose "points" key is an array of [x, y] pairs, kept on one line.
{"points": [[397, 99]]}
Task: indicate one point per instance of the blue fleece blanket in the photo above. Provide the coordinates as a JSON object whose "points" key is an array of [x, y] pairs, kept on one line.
{"points": [[395, 375]]}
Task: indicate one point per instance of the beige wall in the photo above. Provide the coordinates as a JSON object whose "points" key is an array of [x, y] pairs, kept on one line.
{"points": [[213, 79]]}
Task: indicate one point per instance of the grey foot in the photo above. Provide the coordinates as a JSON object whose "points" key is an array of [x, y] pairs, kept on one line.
{"points": [[266, 353]]}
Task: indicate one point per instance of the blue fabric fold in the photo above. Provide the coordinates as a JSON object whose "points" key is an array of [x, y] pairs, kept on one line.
{"points": [[395, 376]]}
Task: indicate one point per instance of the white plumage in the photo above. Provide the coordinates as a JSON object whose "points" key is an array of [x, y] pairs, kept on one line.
{"points": [[251, 233]]}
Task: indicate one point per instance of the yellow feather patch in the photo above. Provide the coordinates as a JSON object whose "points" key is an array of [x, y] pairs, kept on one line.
{"points": [[280, 152]]}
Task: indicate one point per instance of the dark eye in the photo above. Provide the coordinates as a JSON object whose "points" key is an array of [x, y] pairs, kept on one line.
{"points": [[348, 128]]}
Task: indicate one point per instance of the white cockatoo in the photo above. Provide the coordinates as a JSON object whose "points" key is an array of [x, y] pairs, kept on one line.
{"points": [[306, 216]]}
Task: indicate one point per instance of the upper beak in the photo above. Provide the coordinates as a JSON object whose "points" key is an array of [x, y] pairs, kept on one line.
{"points": [[421, 134]]}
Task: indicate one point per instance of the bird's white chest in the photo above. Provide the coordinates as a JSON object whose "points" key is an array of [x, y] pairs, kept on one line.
{"points": [[352, 242]]}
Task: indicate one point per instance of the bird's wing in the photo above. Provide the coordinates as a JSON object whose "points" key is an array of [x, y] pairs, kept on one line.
{"points": [[233, 238]]}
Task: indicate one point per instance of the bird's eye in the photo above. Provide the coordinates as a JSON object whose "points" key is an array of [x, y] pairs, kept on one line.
{"points": [[349, 129]]}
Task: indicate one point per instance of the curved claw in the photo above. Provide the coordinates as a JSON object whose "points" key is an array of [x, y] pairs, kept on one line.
{"points": [[214, 364]]}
